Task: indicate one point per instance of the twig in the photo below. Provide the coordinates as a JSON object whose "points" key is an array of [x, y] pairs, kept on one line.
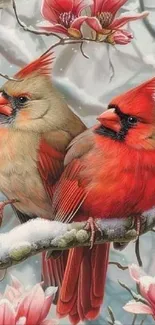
{"points": [[143, 320], [134, 319], [62, 40], [137, 251], [123, 268], [40, 235], [21, 24], [134, 295], [82, 51], [112, 317], [9, 78], [110, 64], [146, 22]]}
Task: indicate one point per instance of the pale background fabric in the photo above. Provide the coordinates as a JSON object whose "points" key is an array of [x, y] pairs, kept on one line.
{"points": [[86, 86]]}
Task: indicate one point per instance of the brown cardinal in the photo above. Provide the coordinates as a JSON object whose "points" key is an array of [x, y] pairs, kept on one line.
{"points": [[36, 125], [110, 172]]}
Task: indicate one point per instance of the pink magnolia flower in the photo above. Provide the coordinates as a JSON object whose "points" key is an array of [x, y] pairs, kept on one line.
{"points": [[103, 21], [21, 307], [64, 16], [146, 285]]}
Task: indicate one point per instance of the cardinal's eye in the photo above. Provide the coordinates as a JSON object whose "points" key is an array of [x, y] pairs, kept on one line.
{"points": [[132, 120], [22, 99]]}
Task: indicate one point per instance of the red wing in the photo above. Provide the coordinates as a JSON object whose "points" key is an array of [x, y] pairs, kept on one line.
{"points": [[50, 165], [69, 193]]}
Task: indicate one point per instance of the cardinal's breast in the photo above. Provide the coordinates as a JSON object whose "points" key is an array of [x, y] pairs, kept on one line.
{"points": [[19, 176]]}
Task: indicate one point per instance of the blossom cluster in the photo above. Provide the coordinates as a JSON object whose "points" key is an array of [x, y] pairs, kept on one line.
{"points": [[65, 17]]}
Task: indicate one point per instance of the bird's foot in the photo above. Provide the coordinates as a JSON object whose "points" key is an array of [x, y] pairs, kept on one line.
{"points": [[3, 205], [138, 223], [92, 226]]}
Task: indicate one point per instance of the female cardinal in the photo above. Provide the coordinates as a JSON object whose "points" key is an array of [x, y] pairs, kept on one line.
{"points": [[110, 172], [36, 125]]}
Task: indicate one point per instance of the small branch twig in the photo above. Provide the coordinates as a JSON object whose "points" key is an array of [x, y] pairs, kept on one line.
{"points": [[137, 251], [146, 22], [39, 235], [134, 319], [9, 78], [112, 317], [133, 294], [120, 266]]}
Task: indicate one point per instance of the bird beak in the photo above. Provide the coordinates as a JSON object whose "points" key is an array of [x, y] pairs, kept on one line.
{"points": [[4, 106], [110, 120]]}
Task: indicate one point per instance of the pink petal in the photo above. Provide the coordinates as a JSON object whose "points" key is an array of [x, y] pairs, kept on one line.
{"points": [[137, 308], [11, 293], [55, 29], [151, 294], [79, 5], [122, 39], [16, 284], [119, 22], [135, 271], [7, 313], [49, 322], [48, 13], [112, 5], [31, 305], [78, 22], [46, 307], [97, 6], [144, 285], [21, 321], [94, 23], [60, 5]]}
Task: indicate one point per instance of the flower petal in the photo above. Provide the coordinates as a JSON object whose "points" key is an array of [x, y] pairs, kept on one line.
{"points": [[21, 321], [151, 294], [78, 22], [7, 313], [136, 272], [46, 307], [48, 13], [16, 284], [112, 5], [119, 22], [50, 322], [144, 285], [60, 5], [97, 6], [137, 308], [11, 293], [55, 29], [79, 5], [31, 305], [94, 23]]}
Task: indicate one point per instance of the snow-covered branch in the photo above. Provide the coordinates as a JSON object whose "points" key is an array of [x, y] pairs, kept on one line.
{"points": [[38, 235]]}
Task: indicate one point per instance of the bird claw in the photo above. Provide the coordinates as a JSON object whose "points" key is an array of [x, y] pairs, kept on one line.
{"points": [[3, 205], [138, 221], [92, 226]]}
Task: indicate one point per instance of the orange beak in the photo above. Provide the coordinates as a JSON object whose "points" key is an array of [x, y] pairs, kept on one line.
{"points": [[4, 106], [110, 120]]}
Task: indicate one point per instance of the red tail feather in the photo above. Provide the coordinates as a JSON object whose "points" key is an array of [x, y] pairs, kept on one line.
{"points": [[83, 285], [42, 65]]}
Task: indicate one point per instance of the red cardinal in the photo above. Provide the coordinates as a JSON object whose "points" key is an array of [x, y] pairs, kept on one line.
{"points": [[36, 126], [109, 173]]}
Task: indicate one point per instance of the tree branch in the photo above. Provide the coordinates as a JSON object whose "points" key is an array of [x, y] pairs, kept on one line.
{"points": [[39, 235]]}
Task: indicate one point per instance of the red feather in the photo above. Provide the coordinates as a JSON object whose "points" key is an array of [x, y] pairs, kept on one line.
{"points": [[50, 165], [42, 66]]}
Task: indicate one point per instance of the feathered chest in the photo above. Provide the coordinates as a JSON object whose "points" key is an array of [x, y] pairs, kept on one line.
{"points": [[120, 181]]}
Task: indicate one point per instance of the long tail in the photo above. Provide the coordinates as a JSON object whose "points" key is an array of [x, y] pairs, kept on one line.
{"points": [[53, 271], [83, 284]]}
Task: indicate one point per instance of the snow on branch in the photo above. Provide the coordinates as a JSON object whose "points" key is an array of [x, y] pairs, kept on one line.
{"points": [[38, 235]]}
